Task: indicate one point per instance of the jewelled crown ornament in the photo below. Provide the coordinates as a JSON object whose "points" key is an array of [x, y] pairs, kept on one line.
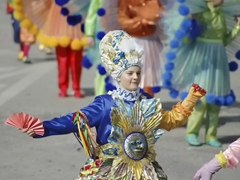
{"points": [[118, 52]]}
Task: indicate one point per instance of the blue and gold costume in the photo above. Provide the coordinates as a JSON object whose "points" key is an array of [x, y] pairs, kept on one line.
{"points": [[128, 124]]}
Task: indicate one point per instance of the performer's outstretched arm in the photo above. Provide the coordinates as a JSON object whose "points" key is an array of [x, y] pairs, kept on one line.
{"points": [[94, 113], [179, 114]]}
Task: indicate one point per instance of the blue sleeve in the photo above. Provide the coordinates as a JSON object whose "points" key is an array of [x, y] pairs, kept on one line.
{"points": [[95, 111], [63, 125]]}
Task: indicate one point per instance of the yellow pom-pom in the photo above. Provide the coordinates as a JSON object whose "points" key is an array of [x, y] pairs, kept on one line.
{"points": [[33, 30], [64, 41], [45, 41], [76, 44], [17, 7], [52, 42], [84, 42], [26, 23], [41, 38], [17, 1], [18, 15]]}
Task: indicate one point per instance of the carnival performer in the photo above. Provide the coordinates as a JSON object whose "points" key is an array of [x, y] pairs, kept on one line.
{"points": [[202, 40], [92, 31], [230, 158], [127, 122], [140, 19], [57, 27], [20, 34]]}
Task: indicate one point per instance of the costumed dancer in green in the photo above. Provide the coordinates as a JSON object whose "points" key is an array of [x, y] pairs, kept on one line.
{"points": [[199, 51], [94, 34]]}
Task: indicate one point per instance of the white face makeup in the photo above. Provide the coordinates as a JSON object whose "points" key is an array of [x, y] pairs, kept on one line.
{"points": [[130, 78]]}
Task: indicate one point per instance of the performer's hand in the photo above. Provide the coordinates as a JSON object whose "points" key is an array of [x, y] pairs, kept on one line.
{"points": [[207, 170], [194, 94], [152, 23], [28, 131], [197, 90], [90, 41], [146, 22]]}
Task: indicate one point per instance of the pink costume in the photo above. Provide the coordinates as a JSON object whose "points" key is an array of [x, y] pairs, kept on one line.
{"points": [[232, 154], [228, 159]]}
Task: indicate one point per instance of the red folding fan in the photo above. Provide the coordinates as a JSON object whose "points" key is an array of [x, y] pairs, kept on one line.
{"points": [[25, 121]]}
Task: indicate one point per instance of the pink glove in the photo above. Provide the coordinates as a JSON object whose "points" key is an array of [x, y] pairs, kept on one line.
{"points": [[207, 170]]}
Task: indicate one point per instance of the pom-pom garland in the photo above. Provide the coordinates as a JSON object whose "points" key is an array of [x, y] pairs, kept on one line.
{"points": [[76, 44], [156, 89], [181, 1], [183, 10], [233, 66], [237, 55], [179, 37], [195, 29], [64, 41], [226, 100], [183, 95], [174, 44], [101, 69], [173, 94], [24, 22], [86, 63], [107, 79], [170, 56], [74, 20], [167, 76], [169, 66], [100, 35], [141, 90], [167, 84], [64, 11], [101, 12], [191, 29], [61, 2], [186, 24], [179, 34], [18, 15], [82, 28]]}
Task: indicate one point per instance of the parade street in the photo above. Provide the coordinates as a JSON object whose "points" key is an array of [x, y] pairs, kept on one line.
{"points": [[32, 88]]}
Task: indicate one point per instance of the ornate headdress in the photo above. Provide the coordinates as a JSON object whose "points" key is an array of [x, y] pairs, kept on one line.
{"points": [[118, 52]]}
